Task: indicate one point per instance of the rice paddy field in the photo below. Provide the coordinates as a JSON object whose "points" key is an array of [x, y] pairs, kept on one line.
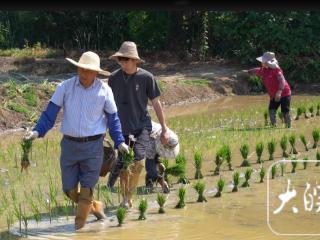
{"points": [[238, 201]]}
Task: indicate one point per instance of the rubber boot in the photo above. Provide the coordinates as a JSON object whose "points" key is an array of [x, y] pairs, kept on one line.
{"points": [[124, 185], [73, 194], [287, 119], [135, 169], [273, 117], [84, 207], [97, 210], [115, 172]]}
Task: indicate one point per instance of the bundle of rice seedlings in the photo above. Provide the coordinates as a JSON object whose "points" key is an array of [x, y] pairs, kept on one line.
{"points": [[304, 110], [311, 110], [284, 145], [228, 155], [26, 146], [200, 187], [273, 171], [247, 175], [294, 165], [244, 149], [198, 164], [292, 141], [265, 115], [220, 186], [315, 135], [318, 158], [220, 157], [161, 199], [182, 196], [280, 115], [181, 160], [259, 151], [303, 140], [262, 174], [299, 113], [143, 205], [236, 181], [305, 163], [271, 148], [128, 158], [121, 214]]}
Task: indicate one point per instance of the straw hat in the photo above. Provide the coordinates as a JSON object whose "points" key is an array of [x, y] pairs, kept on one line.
{"points": [[128, 49], [91, 61]]}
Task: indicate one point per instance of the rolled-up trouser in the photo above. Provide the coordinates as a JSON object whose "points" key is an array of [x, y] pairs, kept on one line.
{"points": [[139, 149], [80, 162]]}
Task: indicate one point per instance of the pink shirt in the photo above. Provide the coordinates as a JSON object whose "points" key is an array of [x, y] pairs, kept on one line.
{"points": [[273, 80]]}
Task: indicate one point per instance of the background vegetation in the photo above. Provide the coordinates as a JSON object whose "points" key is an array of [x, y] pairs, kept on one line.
{"points": [[240, 36]]}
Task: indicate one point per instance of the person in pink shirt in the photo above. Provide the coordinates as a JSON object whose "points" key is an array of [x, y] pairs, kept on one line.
{"points": [[276, 86]]}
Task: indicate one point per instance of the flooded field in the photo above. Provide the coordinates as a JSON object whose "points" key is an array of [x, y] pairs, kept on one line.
{"points": [[203, 126]]}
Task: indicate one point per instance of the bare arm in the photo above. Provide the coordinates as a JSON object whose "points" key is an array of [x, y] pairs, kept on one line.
{"points": [[160, 115]]}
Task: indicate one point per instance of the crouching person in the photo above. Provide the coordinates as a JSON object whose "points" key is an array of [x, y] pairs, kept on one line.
{"points": [[88, 109], [155, 151]]}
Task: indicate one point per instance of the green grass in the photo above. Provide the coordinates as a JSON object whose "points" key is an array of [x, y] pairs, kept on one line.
{"points": [[36, 51], [196, 82]]}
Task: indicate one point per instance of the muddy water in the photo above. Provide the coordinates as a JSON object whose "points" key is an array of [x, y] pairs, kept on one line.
{"points": [[241, 215]]}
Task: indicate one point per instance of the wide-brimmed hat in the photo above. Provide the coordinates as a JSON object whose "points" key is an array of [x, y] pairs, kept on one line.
{"points": [[267, 57], [91, 61], [128, 49]]}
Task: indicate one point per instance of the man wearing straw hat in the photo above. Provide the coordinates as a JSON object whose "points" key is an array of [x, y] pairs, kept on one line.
{"points": [[89, 109], [132, 87]]}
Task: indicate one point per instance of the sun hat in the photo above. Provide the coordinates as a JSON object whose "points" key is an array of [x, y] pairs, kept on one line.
{"points": [[91, 61], [128, 49], [269, 58]]}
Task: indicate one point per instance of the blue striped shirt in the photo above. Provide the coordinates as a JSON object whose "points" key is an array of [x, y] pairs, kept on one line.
{"points": [[84, 108]]}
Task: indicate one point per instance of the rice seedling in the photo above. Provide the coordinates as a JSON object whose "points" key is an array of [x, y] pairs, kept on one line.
{"points": [[305, 162], [262, 174], [299, 113], [266, 115], [121, 214], [318, 158], [273, 171], [283, 168], [182, 196], [10, 220], [26, 147], [200, 187], [311, 110], [181, 160], [220, 156], [294, 165], [244, 149], [18, 214], [143, 205], [227, 151], [318, 109], [198, 164], [315, 135], [284, 146], [259, 151], [247, 175], [35, 210], [304, 110], [280, 115], [292, 141], [220, 186], [25, 221], [236, 181], [271, 148], [161, 200], [303, 140]]}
